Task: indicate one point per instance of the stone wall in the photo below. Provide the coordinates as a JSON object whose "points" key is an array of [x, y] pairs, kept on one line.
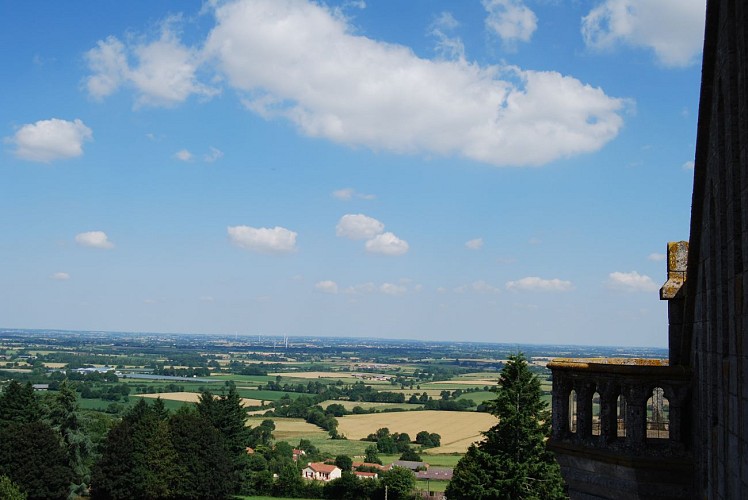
{"points": [[715, 318]]}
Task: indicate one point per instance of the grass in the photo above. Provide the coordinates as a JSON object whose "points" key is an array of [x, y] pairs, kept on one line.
{"points": [[422, 484], [479, 397]]}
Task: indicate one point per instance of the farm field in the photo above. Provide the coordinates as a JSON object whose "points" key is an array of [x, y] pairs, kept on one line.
{"points": [[457, 429], [191, 397], [349, 405]]}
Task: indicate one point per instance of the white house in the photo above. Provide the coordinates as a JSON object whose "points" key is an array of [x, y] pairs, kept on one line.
{"points": [[321, 472]]}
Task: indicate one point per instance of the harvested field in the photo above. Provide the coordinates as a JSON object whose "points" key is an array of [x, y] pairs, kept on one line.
{"points": [[457, 429], [313, 375], [191, 397], [349, 405], [479, 382], [289, 429]]}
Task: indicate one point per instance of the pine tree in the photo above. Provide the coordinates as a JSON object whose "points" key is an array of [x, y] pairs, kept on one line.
{"points": [[512, 461]]}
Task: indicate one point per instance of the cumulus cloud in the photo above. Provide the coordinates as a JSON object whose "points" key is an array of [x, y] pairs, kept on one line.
{"points": [[60, 276], [327, 286], [639, 23], [298, 61], [347, 194], [511, 20], [387, 244], [632, 282], [49, 140], [183, 155], [534, 283], [94, 239], [263, 240], [656, 257], [163, 72], [474, 244], [358, 227]]}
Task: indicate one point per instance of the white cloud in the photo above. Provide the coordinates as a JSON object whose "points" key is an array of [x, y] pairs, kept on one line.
{"points": [[633, 282], [534, 283], [392, 289], [475, 244], [347, 194], [207, 298], [214, 155], [263, 239], [358, 227], [60, 276], [448, 47], [673, 29], [656, 257], [164, 72], [327, 286], [48, 140], [387, 244], [298, 61], [94, 239], [183, 155], [689, 165], [511, 20]]}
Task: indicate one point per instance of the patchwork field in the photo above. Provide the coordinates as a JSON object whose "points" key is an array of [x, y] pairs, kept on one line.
{"points": [[349, 405], [190, 397], [457, 429]]}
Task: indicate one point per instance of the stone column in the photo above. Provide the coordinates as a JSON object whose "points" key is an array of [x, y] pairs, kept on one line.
{"points": [[609, 392], [636, 415], [560, 406], [585, 390]]}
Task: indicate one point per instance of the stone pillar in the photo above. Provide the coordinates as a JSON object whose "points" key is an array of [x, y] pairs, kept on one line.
{"points": [[674, 292], [609, 392], [560, 406], [636, 416], [585, 390]]}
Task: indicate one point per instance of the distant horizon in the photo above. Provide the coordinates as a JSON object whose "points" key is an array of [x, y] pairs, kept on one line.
{"points": [[342, 337]]}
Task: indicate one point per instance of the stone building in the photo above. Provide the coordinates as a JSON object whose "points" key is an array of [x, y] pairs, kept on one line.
{"points": [[678, 428]]}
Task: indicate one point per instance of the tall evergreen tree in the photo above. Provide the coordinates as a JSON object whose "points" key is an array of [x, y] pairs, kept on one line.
{"points": [[512, 462], [227, 415], [137, 459]]}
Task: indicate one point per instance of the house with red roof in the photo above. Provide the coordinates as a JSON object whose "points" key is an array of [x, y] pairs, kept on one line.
{"points": [[319, 471]]}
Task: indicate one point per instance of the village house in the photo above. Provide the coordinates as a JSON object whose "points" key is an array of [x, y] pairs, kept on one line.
{"points": [[319, 471]]}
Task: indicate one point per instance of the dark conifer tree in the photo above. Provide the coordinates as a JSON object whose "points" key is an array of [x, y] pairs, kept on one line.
{"points": [[512, 462]]}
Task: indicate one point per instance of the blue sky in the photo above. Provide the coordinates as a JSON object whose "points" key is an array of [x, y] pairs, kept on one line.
{"points": [[496, 170]]}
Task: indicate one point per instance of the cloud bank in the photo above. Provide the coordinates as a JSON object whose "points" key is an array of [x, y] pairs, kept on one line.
{"points": [[299, 61]]}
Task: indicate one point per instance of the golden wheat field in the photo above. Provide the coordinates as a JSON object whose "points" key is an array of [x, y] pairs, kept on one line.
{"points": [[192, 397], [288, 429], [458, 429]]}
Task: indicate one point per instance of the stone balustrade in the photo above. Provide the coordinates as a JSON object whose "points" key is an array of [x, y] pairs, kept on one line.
{"points": [[605, 404]]}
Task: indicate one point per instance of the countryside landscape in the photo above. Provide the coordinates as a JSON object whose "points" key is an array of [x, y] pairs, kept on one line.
{"points": [[314, 399]]}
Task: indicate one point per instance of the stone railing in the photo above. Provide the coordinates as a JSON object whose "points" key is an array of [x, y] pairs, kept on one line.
{"points": [[627, 406]]}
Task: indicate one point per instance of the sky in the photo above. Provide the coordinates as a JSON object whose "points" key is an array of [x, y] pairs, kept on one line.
{"points": [[483, 170]]}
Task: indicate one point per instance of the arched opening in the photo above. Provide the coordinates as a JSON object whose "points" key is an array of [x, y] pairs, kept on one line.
{"points": [[621, 416], [573, 411], [658, 415], [596, 422]]}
